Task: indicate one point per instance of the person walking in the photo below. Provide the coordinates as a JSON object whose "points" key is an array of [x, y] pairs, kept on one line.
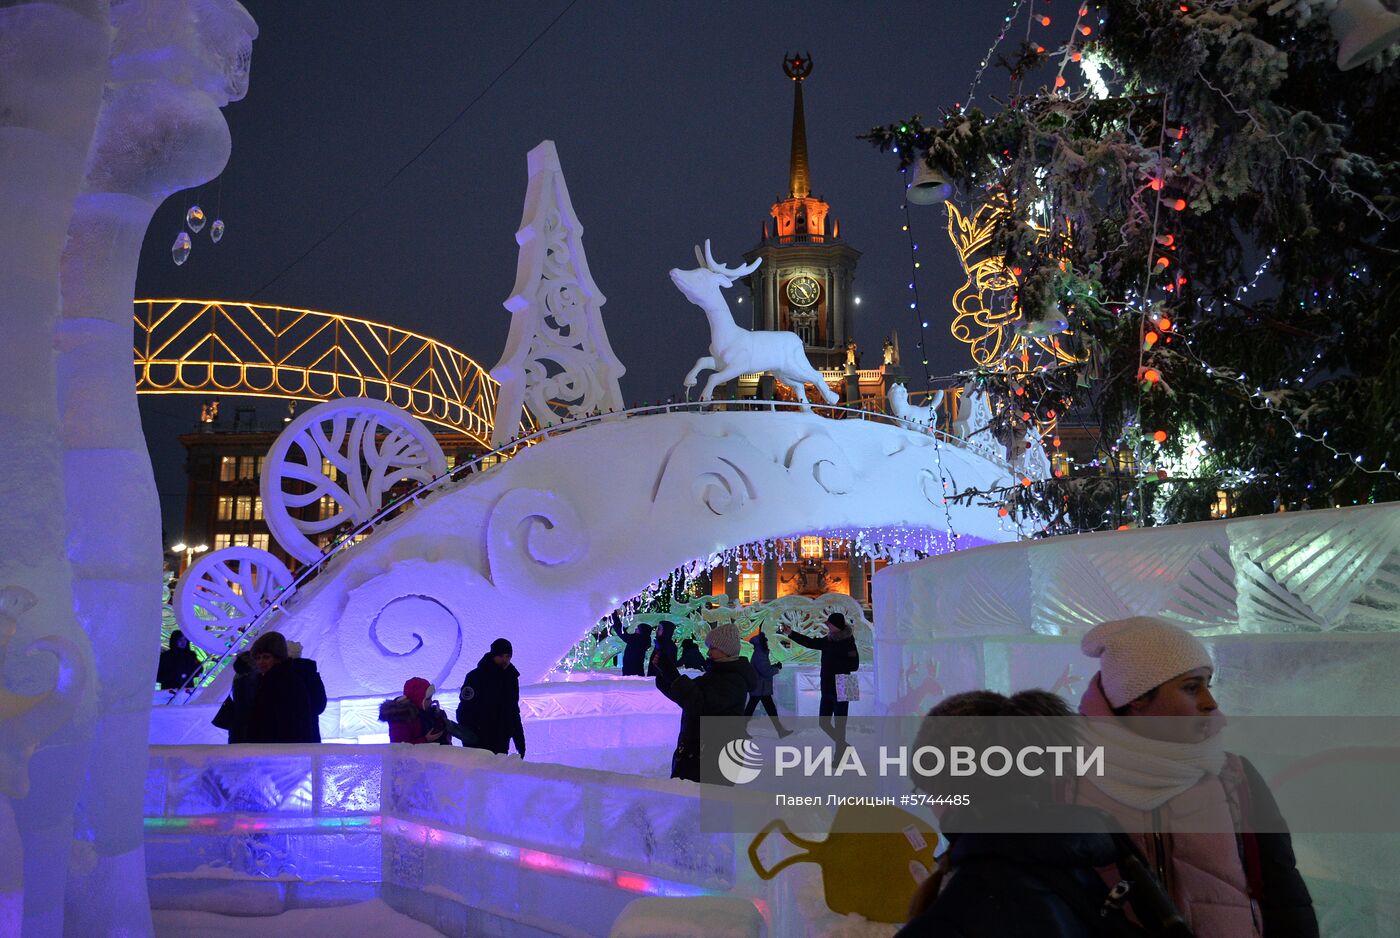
{"points": [[1203, 817], [634, 657], [289, 695], [719, 692], [178, 663], [766, 669], [489, 709], [839, 656]]}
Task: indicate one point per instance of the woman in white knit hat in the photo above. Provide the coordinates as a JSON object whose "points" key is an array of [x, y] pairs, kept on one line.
{"points": [[1204, 818]]}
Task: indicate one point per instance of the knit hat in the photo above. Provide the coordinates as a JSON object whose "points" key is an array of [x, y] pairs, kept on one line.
{"points": [[837, 619], [274, 643], [1140, 653], [418, 691], [724, 639], [501, 646]]}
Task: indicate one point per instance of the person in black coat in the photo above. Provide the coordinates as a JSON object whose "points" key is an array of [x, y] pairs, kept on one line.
{"points": [[289, 697], [665, 644], [237, 708], [638, 643], [489, 710], [691, 659], [178, 663], [719, 692], [766, 670], [839, 656]]}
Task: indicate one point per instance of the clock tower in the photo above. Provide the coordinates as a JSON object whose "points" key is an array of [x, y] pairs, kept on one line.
{"points": [[804, 283]]}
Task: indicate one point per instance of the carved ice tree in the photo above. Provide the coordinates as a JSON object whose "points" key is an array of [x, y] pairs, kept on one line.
{"points": [[224, 591], [350, 453], [557, 359]]}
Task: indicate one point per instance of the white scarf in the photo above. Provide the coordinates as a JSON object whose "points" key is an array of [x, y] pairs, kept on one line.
{"points": [[1146, 773]]}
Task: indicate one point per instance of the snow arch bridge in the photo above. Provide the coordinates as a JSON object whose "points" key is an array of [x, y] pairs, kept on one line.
{"points": [[540, 546]]}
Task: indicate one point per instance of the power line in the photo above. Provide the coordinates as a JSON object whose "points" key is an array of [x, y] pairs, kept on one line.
{"points": [[425, 148]]}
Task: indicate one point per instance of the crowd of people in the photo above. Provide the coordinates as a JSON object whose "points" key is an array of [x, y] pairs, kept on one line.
{"points": [[1177, 838]]}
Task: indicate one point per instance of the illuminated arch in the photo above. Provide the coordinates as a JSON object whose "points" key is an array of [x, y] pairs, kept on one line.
{"points": [[250, 350]]}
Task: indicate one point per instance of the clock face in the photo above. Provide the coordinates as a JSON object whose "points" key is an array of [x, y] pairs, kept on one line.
{"points": [[803, 291]]}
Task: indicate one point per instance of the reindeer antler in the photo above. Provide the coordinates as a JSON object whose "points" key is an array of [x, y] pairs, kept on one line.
{"points": [[733, 273]]}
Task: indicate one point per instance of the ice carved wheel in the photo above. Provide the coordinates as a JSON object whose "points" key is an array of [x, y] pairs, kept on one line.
{"points": [[366, 448], [225, 589]]}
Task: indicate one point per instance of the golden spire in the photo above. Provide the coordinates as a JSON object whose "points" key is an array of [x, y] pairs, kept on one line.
{"points": [[799, 184]]}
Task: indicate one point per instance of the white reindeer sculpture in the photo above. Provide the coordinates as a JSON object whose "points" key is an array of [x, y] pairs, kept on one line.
{"points": [[925, 415], [734, 350]]}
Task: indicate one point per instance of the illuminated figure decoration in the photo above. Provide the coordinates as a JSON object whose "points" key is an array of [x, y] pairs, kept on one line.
{"points": [[216, 347], [557, 360], [988, 318]]}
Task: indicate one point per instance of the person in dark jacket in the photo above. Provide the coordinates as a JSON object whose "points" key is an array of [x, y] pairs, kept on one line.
{"points": [[489, 710], [665, 644], [691, 659], [839, 656], [415, 717], [719, 692], [994, 884], [178, 663], [237, 707], [638, 643], [289, 696], [763, 694]]}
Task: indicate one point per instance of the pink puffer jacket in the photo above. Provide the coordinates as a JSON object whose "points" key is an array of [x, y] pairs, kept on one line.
{"points": [[1204, 873]]}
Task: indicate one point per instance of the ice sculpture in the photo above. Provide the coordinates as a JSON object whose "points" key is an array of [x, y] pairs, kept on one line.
{"points": [[734, 350], [174, 64], [974, 419], [925, 415], [557, 360], [1030, 458], [53, 56], [224, 591], [352, 452], [542, 546], [25, 721]]}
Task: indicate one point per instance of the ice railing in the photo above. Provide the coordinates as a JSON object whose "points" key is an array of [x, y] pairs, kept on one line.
{"points": [[240, 637], [465, 824]]}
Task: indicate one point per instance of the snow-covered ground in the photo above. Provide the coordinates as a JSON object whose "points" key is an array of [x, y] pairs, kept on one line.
{"points": [[373, 919]]}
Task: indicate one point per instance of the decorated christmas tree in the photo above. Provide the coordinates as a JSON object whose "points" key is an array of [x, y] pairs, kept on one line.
{"points": [[1197, 208]]}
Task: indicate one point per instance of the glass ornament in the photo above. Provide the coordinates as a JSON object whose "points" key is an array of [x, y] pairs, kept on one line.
{"points": [[180, 251], [195, 218], [216, 230]]}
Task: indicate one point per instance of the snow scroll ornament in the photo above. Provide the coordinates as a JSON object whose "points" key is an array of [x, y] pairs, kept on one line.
{"points": [[224, 591], [557, 360], [346, 456]]}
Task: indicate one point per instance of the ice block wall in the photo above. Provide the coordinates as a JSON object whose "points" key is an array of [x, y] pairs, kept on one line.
{"points": [[1300, 611], [466, 841]]}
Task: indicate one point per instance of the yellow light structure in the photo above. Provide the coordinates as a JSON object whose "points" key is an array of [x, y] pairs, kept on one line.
{"points": [[249, 350], [987, 315]]}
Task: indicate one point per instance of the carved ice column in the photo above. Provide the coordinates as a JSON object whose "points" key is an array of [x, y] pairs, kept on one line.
{"points": [[53, 59], [557, 361], [174, 64]]}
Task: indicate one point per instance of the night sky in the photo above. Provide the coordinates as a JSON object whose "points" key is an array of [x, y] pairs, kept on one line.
{"points": [[672, 123]]}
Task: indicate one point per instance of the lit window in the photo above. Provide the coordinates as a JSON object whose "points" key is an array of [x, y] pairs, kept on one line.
{"points": [[811, 547], [225, 507], [1059, 464], [246, 467], [327, 469], [451, 460], [327, 506], [749, 588], [258, 466], [227, 465], [223, 540], [260, 541], [241, 540], [257, 508], [244, 508], [488, 461], [1223, 506]]}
